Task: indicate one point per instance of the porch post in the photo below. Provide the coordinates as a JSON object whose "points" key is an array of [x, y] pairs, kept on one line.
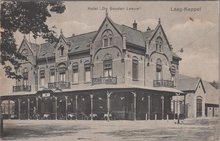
{"points": [[108, 104], [19, 109], [55, 107], [148, 98], [66, 98], [135, 104], [174, 110], [178, 108], [9, 109], [76, 106], [91, 97], [184, 106], [162, 102], [28, 102], [37, 113]]}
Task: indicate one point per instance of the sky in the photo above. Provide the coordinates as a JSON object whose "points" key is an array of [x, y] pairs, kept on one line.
{"points": [[195, 31]]}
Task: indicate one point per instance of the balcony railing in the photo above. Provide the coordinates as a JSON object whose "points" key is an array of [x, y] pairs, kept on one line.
{"points": [[163, 83], [22, 88], [60, 85], [104, 80]]}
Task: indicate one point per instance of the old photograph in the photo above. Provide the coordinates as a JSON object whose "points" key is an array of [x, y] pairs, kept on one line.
{"points": [[109, 70]]}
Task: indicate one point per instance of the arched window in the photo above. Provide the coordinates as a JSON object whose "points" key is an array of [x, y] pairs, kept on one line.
{"points": [[25, 77], [107, 65], [107, 38], [159, 44], [61, 50], [87, 74], [159, 69], [198, 106], [62, 72], [75, 69], [135, 69]]}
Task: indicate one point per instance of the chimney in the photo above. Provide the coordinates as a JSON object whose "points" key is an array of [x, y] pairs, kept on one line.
{"points": [[135, 24]]}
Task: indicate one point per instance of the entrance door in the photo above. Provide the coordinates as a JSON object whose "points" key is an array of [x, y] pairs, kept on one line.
{"points": [[198, 106]]}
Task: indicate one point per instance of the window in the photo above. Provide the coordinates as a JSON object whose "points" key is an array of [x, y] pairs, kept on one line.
{"points": [[75, 73], [25, 52], [107, 65], [25, 77], [87, 72], [107, 37], [62, 76], [159, 44], [159, 69], [105, 42], [199, 106], [134, 69], [42, 77], [61, 50], [62, 72], [110, 41], [52, 75]]}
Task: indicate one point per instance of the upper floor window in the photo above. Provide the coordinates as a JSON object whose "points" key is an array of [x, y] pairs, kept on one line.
{"points": [[107, 38], [61, 50], [134, 69], [87, 72], [107, 64], [159, 44], [52, 75], [42, 77], [159, 69], [25, 77], [62, 72], [75, 68]]}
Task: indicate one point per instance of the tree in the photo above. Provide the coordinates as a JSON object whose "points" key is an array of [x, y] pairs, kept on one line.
{"points": [[25, 17]]}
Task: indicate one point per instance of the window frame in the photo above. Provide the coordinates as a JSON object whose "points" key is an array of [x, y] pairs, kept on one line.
{"points": [[87, 68], [42, 77], [159, 69], [159, 44], [135, 69], [107, 38], [75, 69], [107, 67]]}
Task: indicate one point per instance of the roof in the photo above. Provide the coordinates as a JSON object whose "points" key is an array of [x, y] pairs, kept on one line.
{"points": [[34, 47], [80, 42], [134, 36], [212, 94], [187, 83], [46, 49]]}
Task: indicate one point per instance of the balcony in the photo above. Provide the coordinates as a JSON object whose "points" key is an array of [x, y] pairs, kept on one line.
{"points": [[163, 83], [22, 88], [104, 80], [60, 85]]}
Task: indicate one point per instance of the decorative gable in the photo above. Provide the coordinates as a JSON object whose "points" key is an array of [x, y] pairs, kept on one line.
{"points": [[108, 34], [61, 49], [26, 50]]}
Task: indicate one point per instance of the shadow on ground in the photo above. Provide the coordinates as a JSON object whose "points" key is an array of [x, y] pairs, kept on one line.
{"points": [[37, 131]]}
